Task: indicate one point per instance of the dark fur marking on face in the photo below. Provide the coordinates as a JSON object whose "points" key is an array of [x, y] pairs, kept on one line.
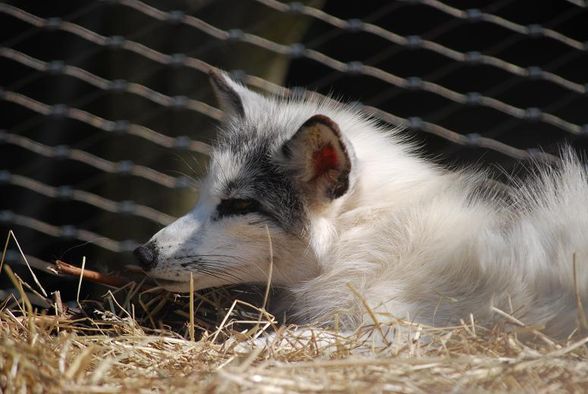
{"points": [[286, 151], [264, 181], [237, 206]]}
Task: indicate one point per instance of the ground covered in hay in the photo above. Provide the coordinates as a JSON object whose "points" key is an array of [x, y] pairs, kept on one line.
{"points": [[136, 338], [53, 353]]}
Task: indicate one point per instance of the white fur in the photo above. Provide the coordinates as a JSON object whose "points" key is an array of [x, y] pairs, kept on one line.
{"points": [[408, 236]]}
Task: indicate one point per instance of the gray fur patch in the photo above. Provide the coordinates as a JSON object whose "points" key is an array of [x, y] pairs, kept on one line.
{"points": [[261, 179]]}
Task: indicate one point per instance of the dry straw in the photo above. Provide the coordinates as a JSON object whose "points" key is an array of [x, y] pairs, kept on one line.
{"points": [[137, 339]]}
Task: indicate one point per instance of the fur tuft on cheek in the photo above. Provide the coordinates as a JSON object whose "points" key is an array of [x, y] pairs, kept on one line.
{"points": [[323, 236]]}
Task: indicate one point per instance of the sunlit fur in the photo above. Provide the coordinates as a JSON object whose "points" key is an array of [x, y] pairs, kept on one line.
{"points": [[410, 239]]}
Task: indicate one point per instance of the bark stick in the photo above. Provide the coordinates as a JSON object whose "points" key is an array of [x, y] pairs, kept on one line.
{"points": [[93, 276]]}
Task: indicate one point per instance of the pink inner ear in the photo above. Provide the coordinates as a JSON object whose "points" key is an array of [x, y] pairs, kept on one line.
{"points": [[324, 159]]}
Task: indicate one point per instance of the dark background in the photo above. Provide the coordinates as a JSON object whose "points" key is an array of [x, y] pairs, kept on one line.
{"points": [[515, 34]]}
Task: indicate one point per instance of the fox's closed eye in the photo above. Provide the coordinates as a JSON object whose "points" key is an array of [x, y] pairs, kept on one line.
{"points": [[237, 206]]}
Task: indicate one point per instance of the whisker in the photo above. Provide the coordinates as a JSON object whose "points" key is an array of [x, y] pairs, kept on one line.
{"points": [[206, 256], [213, 268], [220, 275]]}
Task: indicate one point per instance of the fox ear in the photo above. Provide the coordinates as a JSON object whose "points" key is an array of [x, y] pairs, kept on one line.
{"points": [[320, 159], [228, 93]]}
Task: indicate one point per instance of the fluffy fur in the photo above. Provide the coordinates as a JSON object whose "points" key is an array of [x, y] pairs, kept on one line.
{"points": [[378, 224]]}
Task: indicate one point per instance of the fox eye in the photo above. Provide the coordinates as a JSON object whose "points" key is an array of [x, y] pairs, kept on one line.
{"points": [[237, 206]]}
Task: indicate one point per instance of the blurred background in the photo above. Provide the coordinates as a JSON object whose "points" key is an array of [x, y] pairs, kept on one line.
{"points": [[106, 113]]}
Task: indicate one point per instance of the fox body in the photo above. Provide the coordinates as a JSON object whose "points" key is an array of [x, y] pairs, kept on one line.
{"points": [[346, 217]]}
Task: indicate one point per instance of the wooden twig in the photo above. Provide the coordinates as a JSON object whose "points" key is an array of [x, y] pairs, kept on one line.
{"points": [[93, 276]]}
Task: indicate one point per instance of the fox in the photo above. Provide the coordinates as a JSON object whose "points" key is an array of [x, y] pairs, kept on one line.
{"points": [[345, 214]]}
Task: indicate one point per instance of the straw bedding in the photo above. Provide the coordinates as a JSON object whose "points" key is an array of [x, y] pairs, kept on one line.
{"points": [[136, 340]]}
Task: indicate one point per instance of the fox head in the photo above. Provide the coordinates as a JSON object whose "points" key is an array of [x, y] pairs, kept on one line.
{"points": [[278, 175]]}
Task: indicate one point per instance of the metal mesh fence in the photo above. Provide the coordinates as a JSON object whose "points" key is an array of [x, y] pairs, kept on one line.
{"points": [[107, 115]]}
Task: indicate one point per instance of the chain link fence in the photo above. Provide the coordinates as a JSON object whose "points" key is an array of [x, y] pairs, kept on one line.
{"points": [[107, 116]]}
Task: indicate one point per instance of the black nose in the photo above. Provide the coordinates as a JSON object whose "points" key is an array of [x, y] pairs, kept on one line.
{"points": [[146, 255]]}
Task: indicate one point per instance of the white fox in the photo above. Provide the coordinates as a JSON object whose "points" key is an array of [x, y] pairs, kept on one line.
{"points": [[355, 217]]}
